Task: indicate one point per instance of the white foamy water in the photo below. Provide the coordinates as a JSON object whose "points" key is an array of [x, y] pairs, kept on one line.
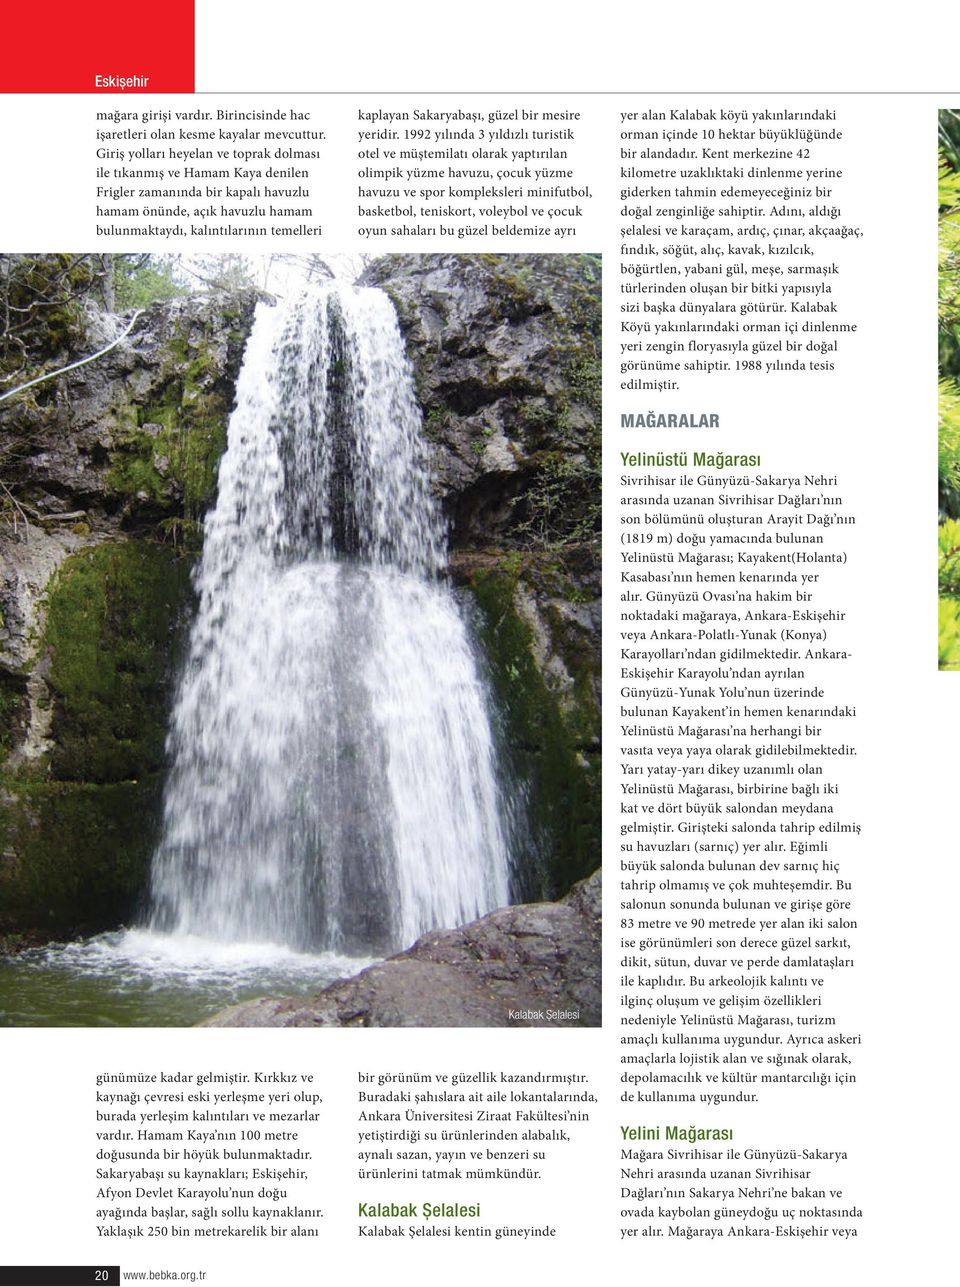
{"points": [[140, 977], [334, 784]]}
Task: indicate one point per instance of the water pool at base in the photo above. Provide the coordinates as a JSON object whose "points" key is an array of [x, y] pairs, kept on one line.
{"points": [[140, 978]]}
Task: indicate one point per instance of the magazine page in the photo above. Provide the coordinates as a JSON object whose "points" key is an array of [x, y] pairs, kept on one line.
{"points": [[393, 419]]}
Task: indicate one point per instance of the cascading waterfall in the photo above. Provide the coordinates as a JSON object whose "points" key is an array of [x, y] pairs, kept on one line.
{"points": [[333, 782]]}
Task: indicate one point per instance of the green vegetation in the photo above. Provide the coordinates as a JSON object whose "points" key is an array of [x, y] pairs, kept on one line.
{"points": [[949, 391], [435, 421], [42, 309], [81, 853], [553, 734], [78, 826], [78, 822], [139, 280], [11, 704], [169, 451], [949, 583], [111, 632], [562, 500]]}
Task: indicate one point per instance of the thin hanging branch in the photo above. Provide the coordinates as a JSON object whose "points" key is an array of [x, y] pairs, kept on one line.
{"points": [[73, 365]]}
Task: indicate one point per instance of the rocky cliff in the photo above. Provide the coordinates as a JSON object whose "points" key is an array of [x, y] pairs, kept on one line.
{"points": [[105, 473], [506, 354]]}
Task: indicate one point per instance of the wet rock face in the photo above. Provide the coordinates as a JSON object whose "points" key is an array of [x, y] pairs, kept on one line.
{"points": [[135, 437], [506, 351], [106, 471], [506, 356], [536, 965]]}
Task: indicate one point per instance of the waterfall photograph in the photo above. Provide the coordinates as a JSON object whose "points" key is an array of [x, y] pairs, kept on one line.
{"points": [[300, 640]]}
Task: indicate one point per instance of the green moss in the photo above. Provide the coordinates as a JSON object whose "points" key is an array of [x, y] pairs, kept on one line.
{"points": [[75, 856], [585, 380], [561, 504], [551, 741], [176, 466], [169, 457], [77, 829], [535, 413], [44, 295], [478, 443], [514, 296], [435, 421], [111, 631], [11, 713]]}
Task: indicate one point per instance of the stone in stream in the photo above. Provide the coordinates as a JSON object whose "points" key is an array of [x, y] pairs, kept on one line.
{"points": [[533, 965]]}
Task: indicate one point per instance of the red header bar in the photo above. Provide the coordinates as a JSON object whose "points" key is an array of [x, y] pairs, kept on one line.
{"points": [[97, 47]]}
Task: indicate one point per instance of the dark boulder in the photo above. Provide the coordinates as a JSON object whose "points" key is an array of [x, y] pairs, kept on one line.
{"points": [[534, 965]]}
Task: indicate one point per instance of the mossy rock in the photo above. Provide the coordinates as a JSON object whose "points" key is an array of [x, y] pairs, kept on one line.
{"points": [[553, 742], [12, 712], [74, 857], [169, 463], [113, 626], [45, 295], [167, 450]]}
